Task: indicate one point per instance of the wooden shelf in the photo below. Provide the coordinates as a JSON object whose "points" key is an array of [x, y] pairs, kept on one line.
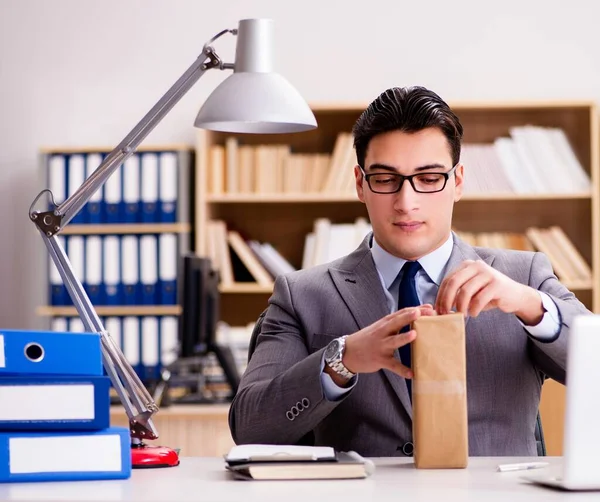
{"points": [[282, 198], [284, 219], [294, 198], [258, 289], [134, 310], [358, 106], [579, 285], [106, 149], [245, 288], [128, 228], [183, 411]]}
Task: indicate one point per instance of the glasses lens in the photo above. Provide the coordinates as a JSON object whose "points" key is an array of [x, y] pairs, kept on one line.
{"points": [[429, 182], [384, 183]]}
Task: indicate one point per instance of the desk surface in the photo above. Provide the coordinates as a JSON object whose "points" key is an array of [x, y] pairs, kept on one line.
{"points": [[394, 479]]}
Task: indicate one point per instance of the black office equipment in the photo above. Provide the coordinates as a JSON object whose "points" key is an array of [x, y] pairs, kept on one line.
{"points": [[199, 300]]}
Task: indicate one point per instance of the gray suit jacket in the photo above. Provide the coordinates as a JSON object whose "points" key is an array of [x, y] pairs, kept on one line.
{"points": [[308, 308]]}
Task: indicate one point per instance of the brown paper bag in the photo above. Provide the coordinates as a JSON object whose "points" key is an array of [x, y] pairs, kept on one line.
{"points": [[439, 392]]}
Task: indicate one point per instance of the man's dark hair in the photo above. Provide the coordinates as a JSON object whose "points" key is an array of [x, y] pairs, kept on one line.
{"points": [[408, 109]]}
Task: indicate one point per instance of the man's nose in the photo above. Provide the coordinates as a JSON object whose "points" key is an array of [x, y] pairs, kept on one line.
{"points": [[406, 198]]}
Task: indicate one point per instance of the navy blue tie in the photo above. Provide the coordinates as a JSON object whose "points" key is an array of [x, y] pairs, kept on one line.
{"points": [[407, 297]]}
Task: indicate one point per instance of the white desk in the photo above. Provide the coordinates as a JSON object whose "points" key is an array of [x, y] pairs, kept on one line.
{"points": [[204, 479]]}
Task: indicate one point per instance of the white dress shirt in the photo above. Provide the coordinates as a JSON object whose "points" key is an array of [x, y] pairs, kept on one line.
{"points": [[427, 282]]}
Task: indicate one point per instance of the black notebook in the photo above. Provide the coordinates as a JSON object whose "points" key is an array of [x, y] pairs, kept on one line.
{"points": [[270, 462]]}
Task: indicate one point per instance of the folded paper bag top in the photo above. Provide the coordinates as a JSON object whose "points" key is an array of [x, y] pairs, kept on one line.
{"points": [[439, 390]]}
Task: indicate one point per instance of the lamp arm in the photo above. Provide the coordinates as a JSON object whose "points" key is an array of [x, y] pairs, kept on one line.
{"points": [[52, 222], [137, 401]]}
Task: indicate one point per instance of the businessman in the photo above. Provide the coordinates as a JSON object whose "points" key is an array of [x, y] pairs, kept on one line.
{"points": [[332, 362]]}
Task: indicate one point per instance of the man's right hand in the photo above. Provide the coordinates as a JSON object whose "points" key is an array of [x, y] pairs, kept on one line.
{"points": [[373, 347]]}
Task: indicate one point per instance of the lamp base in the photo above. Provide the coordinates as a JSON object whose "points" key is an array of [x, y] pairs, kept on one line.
{"points": [[143, 456]]}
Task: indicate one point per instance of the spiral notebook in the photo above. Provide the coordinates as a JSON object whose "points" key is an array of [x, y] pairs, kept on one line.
{"points": [[270, 462]]}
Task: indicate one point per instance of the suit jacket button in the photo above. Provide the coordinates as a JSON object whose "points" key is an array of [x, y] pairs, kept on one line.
{"points": [[408, 449]]}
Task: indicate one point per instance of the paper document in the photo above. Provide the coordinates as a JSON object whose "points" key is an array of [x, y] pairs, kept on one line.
{"points": [[269, 452]]}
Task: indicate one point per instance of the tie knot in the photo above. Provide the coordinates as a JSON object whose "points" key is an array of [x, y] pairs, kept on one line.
{"points": [[410, 269]]}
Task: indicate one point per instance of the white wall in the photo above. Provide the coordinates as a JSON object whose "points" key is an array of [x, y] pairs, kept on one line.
{"points": [[77, 72]]}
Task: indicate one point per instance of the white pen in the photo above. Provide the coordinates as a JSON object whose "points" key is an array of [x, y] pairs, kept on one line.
{"points": [[525, 466]]}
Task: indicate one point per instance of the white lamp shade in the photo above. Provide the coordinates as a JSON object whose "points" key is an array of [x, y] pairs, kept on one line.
{"points": [[263, 103], [255, 99]]}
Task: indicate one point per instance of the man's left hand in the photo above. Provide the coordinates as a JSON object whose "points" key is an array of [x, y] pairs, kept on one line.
{"points": [[475, 287]]}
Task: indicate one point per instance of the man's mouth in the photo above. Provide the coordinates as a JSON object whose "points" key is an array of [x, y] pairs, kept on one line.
{"points": [[409, 225]]}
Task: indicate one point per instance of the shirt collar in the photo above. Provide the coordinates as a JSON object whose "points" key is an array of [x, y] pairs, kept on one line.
{"points": [[433, 264]]}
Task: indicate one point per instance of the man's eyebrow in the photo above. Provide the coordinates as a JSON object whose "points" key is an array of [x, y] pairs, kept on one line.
{"points": [[383, 167], [427, 167], [430, 167]]}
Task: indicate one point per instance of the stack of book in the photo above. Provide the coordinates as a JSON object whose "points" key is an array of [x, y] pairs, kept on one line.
{"points": [[286, 462], [55, 410]]}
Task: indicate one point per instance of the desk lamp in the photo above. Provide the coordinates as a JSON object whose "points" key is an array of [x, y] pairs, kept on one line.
{"points": [[253, 99]]}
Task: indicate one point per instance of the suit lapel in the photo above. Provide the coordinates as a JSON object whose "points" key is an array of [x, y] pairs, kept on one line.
{"points": [[358, 283]]}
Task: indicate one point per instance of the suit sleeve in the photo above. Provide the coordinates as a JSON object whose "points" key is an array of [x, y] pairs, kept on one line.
{"points": [[280, 397], [550, 355]]}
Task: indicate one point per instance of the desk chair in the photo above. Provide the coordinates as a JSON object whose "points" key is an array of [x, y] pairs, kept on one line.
{"points": [[307, 440]]}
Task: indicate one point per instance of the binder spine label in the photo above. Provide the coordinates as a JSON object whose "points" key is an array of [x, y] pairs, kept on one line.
{"points": [[2, 359]]}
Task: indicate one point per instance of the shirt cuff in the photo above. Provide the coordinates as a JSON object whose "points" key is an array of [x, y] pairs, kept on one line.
{"points": [[549, 326], [331, 390]]}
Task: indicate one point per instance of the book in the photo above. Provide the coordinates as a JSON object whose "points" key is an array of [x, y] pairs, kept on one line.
{"points": [[50, 353], [65, 456], [281, 462], [54, 402]]}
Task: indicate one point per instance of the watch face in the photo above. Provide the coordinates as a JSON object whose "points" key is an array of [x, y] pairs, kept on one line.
{"points": [[332, 349]]}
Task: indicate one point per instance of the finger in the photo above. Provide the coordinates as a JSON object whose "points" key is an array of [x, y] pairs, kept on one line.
{"points": [[468, 290], [426, 311], [481, 301], [396, 321], [398, 368], [401, 339], [448, 277], [448, 289]]}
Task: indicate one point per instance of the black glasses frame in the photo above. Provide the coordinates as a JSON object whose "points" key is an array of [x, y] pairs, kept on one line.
{"points": [[403, 178]]}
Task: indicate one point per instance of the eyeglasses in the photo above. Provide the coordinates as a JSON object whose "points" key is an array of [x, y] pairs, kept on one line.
{"points": [[420, 182]]}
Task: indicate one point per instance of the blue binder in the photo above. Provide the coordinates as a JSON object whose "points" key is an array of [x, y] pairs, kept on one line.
{"points": [[55, 403], [168, 187], [149, 187], [50, 353], [113, 197], [59, 295], [75, 178], [65, 456], [131, 201], [93, 208]]}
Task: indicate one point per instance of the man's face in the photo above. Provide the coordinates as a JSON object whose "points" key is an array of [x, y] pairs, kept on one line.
{"points": [[409, 224]]}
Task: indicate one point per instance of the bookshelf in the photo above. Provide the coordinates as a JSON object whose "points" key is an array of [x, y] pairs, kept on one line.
{"points": [[128, 237], [284, 219]]}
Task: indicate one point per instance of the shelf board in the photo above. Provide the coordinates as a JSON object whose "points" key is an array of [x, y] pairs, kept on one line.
{"points": [[128, 228], [282, 197], [241, 287], [251, 287], [359, 106], [580, 285], [526, 196], [182, 411], [106, 310], [323, 198], [107, 149]]}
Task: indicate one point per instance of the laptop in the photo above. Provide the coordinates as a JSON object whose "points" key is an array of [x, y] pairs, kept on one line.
{"points": [[581, 446]]}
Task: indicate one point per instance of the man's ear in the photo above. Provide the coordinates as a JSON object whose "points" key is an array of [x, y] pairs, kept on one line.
{"points": [[459, 182], [359, 179]]}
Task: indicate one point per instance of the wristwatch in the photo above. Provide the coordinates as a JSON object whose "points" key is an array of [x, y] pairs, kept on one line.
{"points": [[333, 357]]}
